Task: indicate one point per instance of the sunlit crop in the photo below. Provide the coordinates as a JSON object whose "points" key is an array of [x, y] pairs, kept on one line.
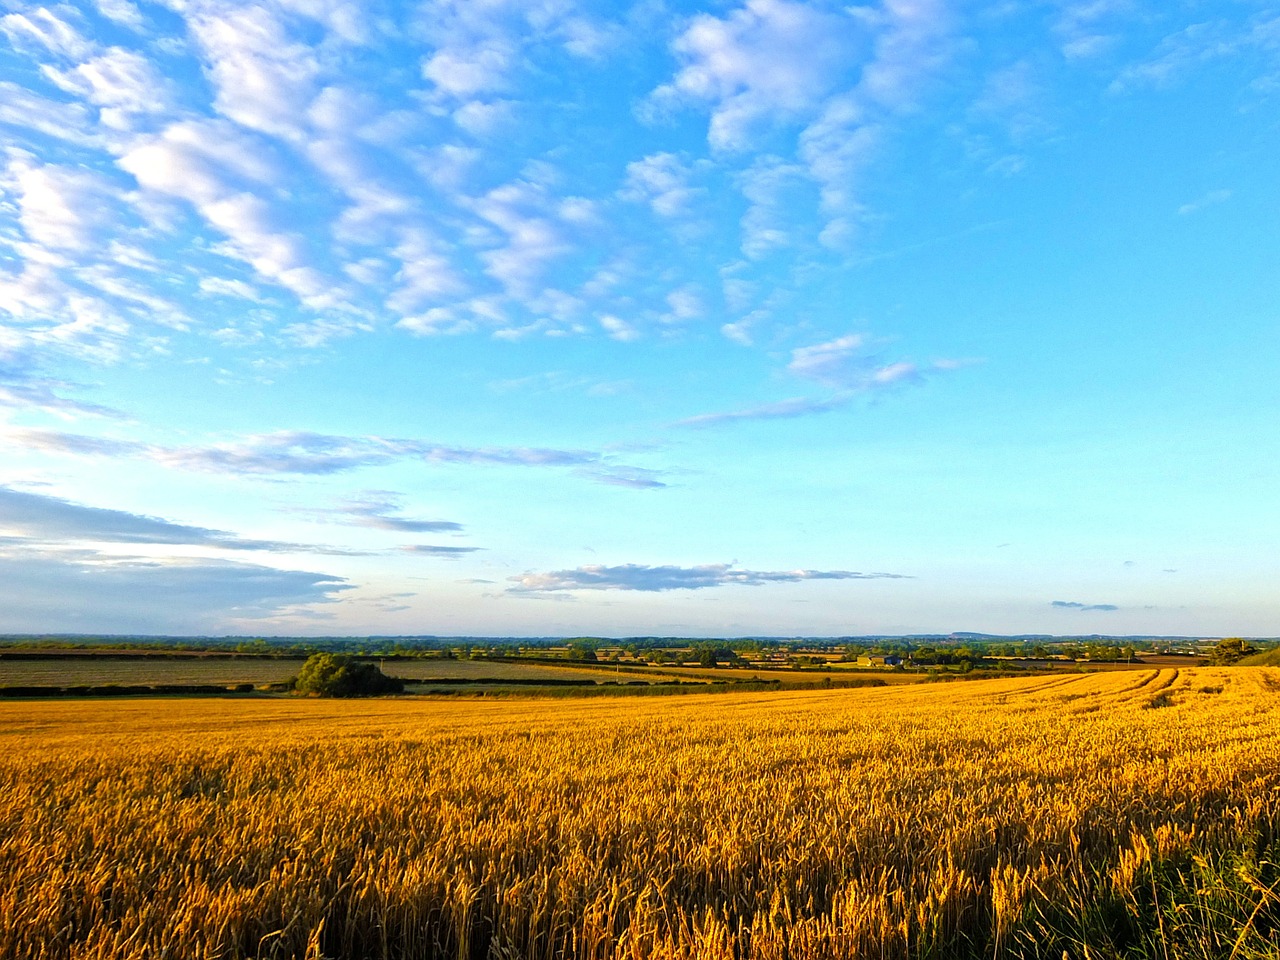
{"points": [[1104, 815]]}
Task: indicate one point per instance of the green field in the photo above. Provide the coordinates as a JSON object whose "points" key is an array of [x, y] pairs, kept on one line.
{"points": [[134, 670], [128, 671]]}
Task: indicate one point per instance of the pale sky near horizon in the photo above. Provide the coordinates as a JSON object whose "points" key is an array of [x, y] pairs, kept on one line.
{"points": [[538, 317]]}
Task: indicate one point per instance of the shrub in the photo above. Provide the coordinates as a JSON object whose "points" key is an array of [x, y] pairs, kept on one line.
{"points": [[1227, 651], [329, 675]]}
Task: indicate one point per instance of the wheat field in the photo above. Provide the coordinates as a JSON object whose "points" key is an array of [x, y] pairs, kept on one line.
{"points": [[1101, 815]]}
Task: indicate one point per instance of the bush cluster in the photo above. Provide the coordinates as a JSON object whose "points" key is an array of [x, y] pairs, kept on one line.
{"points": [[332, 675]]}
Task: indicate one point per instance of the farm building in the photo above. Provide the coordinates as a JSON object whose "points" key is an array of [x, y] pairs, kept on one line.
{"points": [[874, 660]]}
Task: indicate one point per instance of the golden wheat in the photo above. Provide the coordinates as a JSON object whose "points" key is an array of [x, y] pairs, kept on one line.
{"points": [[943, 820]]}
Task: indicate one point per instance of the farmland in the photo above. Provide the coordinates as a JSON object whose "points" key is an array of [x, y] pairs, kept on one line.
{"points": [[1115, 814], [36, 670], [98, 670]]}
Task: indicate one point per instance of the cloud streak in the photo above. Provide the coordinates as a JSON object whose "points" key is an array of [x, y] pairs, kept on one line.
{"points": [[379, 510], [316, 454], [846, 363], [443, 552], [782, 410], [843, 364], [1075, 605], [22, 386], [632, 576], [37, 517]]}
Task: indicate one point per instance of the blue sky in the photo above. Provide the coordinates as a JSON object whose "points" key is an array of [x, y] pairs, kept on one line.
{"points": [[529, 317]]}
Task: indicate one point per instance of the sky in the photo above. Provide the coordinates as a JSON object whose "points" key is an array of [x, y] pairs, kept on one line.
{"points": [[553, 317]]}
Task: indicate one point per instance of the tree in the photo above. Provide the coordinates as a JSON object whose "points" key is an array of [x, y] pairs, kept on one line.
{"points": [[710, 654], [330, 675], [1229, 650]]}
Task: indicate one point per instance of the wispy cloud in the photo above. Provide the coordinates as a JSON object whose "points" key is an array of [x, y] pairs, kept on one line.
{"points": [[637, 478], [1074, 605], [633, 576], [23, 386], [380, 509], [663, 181], [1179, 53], [42, 29], [317, 454], [782, 410], [1210, 199], [443, 552], [45, 519], [843, 364], [846, 362]]}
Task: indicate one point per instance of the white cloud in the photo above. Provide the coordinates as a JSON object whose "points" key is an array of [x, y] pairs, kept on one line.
{"points": [[426, 276], [837, 147], [30, 111], [263, 79], [771, 187], [347, 20], [448, 166], [911, 44], [579, 211], [221, 173], [436, 321], [59, 207], [121, 11], [46, 29], [832, 362], [844, 363], [121, 82], [739, 333], [480, 118], [912, 41], [479, 45], [139, 298], [523, 211], [50, 314], [465, 72], [590, 39], [685, 304], [768, 61], [200, 161], [249, 224], [619, 329], [225, 287], [662, 181]]}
